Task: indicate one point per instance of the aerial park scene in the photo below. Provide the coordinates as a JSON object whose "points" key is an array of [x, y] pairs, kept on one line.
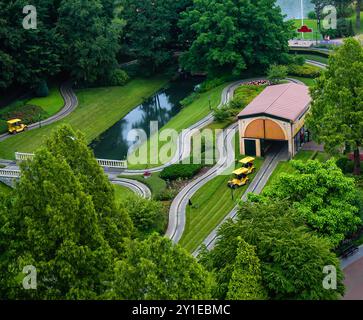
{"points": [[167, 150]]}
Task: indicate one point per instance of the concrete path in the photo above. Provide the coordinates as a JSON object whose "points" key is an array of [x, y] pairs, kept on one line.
{"points": [[70, 104]]}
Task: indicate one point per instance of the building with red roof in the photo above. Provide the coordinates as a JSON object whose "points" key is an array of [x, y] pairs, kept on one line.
{"points": [[276, 115]]}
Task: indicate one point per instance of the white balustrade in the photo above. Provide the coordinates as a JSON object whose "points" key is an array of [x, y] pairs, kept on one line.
{"points": [[4, 173], [117, 164]]}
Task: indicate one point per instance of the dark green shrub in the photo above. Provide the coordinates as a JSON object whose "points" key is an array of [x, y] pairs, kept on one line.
{"points": [[190, 99], [306, 71], [180, 171], [42, 90], [345, 164], [119, 78], [312, 15], [3, 126], [222, 114]]}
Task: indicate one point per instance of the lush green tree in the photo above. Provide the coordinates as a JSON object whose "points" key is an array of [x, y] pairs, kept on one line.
{"points": [[70, 146], [91, 39], [246, 279], [322, 195], [52, 224], [151, 31], [358, 8], [148, 216], [157, 269], [292, 259], [234, 35], [276, 73], [336, 115]]}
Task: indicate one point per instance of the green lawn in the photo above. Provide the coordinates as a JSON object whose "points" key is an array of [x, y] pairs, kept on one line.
{"points": [[312, 24], [307, 81], [316, 58], [98, 110], [211, 204], [122, 193], [155, 183], [51, 104], [189, 115]]}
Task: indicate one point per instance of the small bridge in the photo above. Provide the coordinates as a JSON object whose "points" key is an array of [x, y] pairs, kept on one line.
{"points": [[105, 163]]}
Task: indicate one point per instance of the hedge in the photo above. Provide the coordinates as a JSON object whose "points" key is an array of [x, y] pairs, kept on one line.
{"points": [[306, 71], [180, 171]]}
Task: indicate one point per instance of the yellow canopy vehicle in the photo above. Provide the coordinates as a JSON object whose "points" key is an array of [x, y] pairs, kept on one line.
{"points": [[248, 163], [16, 126], [240, 178]]}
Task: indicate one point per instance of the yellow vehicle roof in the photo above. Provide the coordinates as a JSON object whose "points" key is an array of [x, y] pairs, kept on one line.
{"points": [[12, 121], [247, 160], [240, 171]]}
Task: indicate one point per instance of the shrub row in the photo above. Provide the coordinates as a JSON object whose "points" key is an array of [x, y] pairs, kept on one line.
{"points": [[180, 171], [306, 71]]}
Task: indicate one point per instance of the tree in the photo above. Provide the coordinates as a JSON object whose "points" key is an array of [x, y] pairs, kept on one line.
{"points": [[322, 196], [358, 8], [52, 225], [246, 279], [156, 269], [336, 113], [292, 259], [148, 216], [91, 38], [277, 73], [67, 145], [151, 30], [234, 35]]}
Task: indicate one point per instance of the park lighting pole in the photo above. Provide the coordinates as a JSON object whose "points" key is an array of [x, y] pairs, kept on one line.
{"points": [[302, 16]]}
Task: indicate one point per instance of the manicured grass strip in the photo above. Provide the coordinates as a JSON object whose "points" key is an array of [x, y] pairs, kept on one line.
{"points": [[122, 193], [211, 204], [51, 104], [315, 58], [98, 110], [188, 116], [307, 81], [155, 183]]}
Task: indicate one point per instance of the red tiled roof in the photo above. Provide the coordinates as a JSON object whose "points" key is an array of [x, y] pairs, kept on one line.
{"points": [[288, 101]]}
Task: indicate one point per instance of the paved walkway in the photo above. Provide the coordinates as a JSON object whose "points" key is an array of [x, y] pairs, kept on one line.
{"points": [[313, 146]]}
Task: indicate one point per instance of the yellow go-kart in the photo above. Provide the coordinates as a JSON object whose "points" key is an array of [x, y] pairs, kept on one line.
{"points": [[16, 126], [248, 163], [240, 178]]}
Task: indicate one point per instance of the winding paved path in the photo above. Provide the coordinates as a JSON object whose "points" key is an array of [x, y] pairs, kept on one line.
{"points": [[70, 103]]}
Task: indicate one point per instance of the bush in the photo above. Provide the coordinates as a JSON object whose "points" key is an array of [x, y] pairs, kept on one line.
{"points": [[190, 99], [148, 216], [277, 73], [3, 126], [222, 114], [42, 90], [166, 195], [306, 71], [119, 78], [344, 29], [180, 171]]}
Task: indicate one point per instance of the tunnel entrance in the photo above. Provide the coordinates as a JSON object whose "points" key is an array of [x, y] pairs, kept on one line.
{"points": [[272, 146]]}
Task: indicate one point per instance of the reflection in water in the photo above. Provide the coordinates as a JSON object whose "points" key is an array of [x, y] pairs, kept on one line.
{"points": [[161, 107], [292, 8]]}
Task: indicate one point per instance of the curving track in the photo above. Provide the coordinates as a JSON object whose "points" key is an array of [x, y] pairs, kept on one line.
{"points": [[70, 103], [135, 186]]}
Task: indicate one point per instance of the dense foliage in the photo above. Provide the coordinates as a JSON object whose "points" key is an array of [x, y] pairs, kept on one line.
{"points": [[336, 114], [180, 171], [291, 258], [233, 35], [321, 195]]}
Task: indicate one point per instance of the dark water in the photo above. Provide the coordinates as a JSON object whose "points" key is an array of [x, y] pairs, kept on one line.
{"points": [[161, 107], [292, 8]]}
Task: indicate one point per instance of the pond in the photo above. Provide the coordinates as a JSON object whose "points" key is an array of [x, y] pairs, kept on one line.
{"points": [[161, 107], [292, 8]]}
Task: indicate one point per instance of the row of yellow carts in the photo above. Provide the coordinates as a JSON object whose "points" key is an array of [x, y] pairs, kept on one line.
{"points": [[241, 175]]}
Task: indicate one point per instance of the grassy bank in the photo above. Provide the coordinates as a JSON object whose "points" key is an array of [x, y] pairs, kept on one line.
{"points": [[121, 193], [98, 110], [4, 188], [188, 116], [50, 104]]}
